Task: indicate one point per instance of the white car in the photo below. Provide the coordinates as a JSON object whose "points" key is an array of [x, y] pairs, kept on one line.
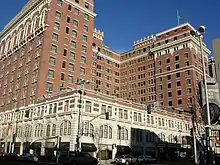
{"points": [[146, 159], [125, 160]]}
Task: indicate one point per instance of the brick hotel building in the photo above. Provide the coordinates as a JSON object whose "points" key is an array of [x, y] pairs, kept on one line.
{"points": [[48, 45]]}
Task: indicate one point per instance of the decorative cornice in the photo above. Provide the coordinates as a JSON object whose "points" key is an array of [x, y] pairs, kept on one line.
{"points": [[20, 16]]}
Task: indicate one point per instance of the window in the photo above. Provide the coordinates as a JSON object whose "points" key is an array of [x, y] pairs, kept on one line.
{"points": [[74, 33], [177, 58], [188, 72], [82, 71], [85, 38], [67, 30], [57, 15], [86, 28], [56, 26], [69, 7], [179, 101], [189, 90], [70, 79], [59, 2], [169, 85], [168, 60], [179, 92], [169, 94], [62, 76], [65, 128], [84, 49], [86, 5], [51, 73], [168, 68], [177, 66], [49, 87], [48, 130], [88, 107], [178, 83], [75, 23], [53, 130], [72, 56], [187, 63], [53, 48], [55, 37], [186, 55], [188, 81], [64, 64], [86, 16], [159, 62], [64, 52], [73, 45], [170, 103], [83, 59], [177, 75], [168, 77], [76, 11], [71, 67], [68, 19], [52, 61]]}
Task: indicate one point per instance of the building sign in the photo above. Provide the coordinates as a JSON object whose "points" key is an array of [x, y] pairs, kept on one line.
{"points": [[213, 92], [213, 98]]}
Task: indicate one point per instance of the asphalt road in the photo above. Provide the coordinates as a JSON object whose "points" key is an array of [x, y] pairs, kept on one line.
{"points": [[30, 163]]}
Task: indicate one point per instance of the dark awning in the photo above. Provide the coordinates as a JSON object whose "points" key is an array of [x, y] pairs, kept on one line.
{"points": [[123, 150], [35, 145], [88, 147]]}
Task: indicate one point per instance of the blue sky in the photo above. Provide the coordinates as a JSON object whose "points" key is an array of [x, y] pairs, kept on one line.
{"points": [[124, 21]]}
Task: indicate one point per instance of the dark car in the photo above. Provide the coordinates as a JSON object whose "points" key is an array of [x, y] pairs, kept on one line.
{"points": [[76, 158]]}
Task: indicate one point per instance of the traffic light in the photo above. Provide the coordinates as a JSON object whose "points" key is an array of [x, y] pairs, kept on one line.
{"points": [[106, 115]]}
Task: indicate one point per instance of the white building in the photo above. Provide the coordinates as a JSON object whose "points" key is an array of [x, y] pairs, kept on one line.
{"points": [[129, 127]]}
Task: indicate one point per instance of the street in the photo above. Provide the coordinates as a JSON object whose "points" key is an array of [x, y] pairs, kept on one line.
{"points": [[181, 162]]}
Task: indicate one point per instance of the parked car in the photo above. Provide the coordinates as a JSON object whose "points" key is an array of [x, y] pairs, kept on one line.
{"points": [[27, 157], [76, 158], [2, 154], [126, 160], [146, 159]]}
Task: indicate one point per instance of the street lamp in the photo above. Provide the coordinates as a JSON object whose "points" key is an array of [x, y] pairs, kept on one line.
{"points": [[80, 82], [199, 34]]}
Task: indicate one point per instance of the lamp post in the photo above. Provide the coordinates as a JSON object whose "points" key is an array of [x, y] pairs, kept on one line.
{"points": [[199, 34], [80, 82]]}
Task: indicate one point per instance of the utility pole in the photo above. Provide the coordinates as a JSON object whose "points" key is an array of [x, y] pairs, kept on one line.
{"points": [[194, 136]]}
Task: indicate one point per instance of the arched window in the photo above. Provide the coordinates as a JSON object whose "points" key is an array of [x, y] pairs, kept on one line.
{"points": [[126, 134], [105, 132], [110, 133], [38, 130], [54, 130], [91, 130], [65, 128], [48, 130], [101, 131], [61, 129], [122, 133], [27, 132]]}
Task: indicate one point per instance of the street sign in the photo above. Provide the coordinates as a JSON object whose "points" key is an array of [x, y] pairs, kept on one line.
{"points": [[215, 127]]}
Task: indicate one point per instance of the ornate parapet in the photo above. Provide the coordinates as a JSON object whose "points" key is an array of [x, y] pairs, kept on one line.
{"points": [[98, 34], [144, 41]]}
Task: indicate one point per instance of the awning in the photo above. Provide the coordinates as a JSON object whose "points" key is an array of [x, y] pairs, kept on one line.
{"points": [[88, 147], [124, 149], [35, 145]]}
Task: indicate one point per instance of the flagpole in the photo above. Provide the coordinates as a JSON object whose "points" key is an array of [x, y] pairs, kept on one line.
{"points": [[178, 17]]}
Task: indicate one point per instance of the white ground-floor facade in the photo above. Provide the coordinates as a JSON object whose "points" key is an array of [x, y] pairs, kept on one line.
{"points": [[129, 128]]}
